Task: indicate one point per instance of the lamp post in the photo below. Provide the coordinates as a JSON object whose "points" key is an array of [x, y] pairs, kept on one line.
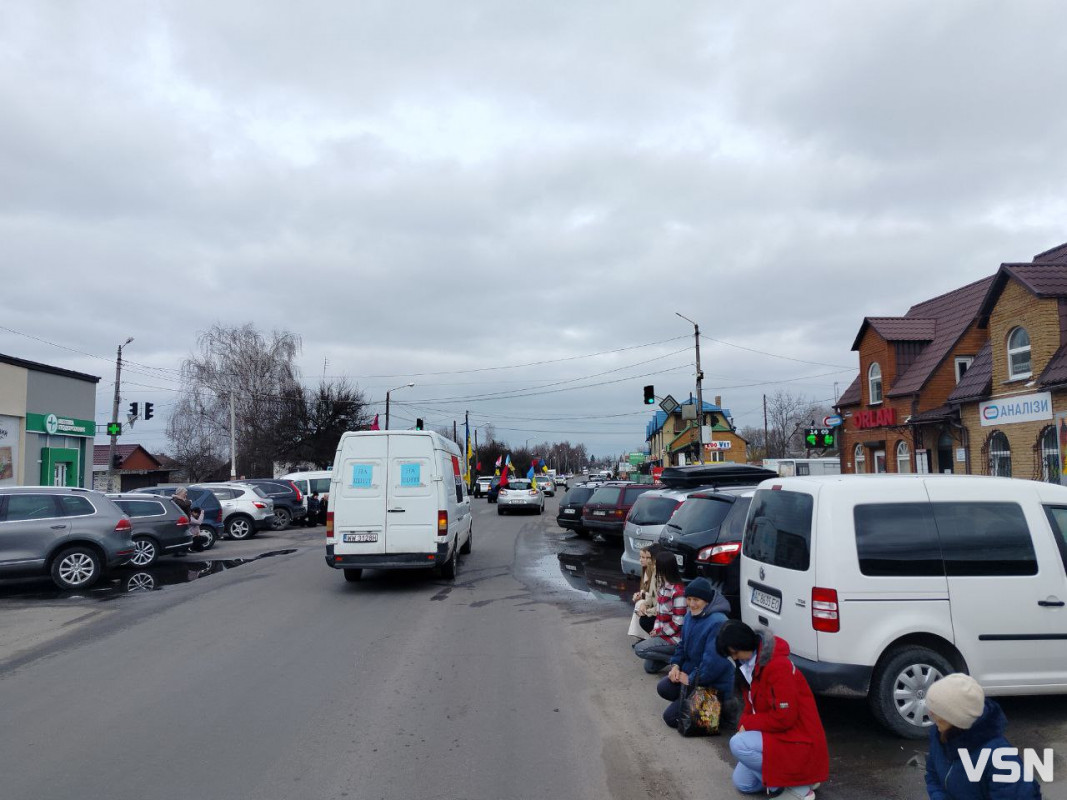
{"points": [[405, 386], [115, 419], [700, 394]]}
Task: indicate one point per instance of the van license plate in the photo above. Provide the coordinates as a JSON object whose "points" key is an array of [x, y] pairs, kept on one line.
{"points": [[361, 537], [767, 601]]}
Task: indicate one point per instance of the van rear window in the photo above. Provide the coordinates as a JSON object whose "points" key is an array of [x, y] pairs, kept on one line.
{"points": [[778, 529]]}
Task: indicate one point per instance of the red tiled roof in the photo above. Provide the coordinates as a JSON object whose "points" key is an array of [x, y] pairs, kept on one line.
{"points": [[977, 381], [124, 451], [852, 395], [1055, 371], [954, 312]]}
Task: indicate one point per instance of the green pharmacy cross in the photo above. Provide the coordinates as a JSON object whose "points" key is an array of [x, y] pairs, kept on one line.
{"points": [[114, 429]]}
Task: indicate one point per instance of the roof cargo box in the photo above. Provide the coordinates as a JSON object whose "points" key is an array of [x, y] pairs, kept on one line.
{"points": [[714, 475]]}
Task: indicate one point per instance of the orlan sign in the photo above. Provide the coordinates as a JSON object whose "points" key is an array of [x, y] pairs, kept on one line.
{"points": [[1021, 408], [62, 426]]}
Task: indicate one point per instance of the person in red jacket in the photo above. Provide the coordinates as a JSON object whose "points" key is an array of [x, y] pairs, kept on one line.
{"points": [[780, 745]]}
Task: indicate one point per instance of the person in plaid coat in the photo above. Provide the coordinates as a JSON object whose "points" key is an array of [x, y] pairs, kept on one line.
{"points": [[657, 650]]}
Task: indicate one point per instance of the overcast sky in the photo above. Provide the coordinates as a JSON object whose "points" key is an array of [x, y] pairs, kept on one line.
{"points": [[422, 190]]}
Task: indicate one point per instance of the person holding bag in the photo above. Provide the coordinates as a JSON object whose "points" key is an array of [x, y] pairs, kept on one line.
{"points": [[780, 745], [644, 599], [696, 662]]}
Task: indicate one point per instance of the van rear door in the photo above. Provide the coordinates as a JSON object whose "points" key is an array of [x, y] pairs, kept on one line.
{"points": [[412, 501], [359, 496]]}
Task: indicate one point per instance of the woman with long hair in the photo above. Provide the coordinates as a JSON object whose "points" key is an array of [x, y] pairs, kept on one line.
{"points": [[644, 599], [656, 651]]}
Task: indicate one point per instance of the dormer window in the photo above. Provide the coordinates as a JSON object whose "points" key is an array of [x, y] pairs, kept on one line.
{"points": [[874, 382], [1019, 354]]}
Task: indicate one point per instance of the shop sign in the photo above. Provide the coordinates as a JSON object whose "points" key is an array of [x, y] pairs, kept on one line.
{"points": [[59, 426], [718, 445], [875, 418], [1021, 408]]}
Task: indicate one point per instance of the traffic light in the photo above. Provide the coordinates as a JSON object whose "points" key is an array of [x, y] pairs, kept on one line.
{"points": [[418, 424], [133, 409], [116, 461], [650, 396], [824, 438], [147, 411]]}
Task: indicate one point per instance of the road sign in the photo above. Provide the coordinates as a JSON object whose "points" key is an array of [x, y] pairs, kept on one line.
{"points": [[718, 444], [637, 459], [114, 429], [668, 404], [820, 437], [831, 421]]}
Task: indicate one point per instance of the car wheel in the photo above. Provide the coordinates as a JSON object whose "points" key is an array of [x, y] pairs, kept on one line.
{"points": [[541, 509], [466, 549], [76, 568], [208, 537], [353, 575], [145, 551], [898, 690], [448, 569], [239, 528], [282, 518], [140, 582]]}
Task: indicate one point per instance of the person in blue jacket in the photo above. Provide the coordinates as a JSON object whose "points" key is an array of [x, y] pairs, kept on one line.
{"points": [[696, 660], [965, 720]]}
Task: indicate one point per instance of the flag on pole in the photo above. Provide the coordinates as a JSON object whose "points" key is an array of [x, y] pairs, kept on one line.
{"points": [[374, 425], [497, 465], [504, 473]]}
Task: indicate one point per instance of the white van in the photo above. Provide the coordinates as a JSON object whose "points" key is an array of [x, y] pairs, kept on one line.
{"points": [[788, 467], [311, 482], [882, 584], [397, 501]]}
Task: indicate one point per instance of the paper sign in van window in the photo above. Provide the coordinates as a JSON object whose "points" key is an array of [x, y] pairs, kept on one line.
{"points": [[410, 475], [362, 474]]}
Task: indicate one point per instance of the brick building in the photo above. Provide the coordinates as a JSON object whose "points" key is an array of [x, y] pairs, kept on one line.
{"points": [[673, 440]]}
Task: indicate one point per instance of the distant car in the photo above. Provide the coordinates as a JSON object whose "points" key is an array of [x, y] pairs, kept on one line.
{"points": [[569, 515], [547, 485], [520, 494], [74, 535], [288, 500], [211, 527], [159, 527], [606, 509], [481, 486], [561, 482], [246, 509], [494, 491]]}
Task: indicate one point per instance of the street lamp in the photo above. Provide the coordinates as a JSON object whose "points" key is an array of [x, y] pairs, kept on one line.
{"points": [[115, 419], [405, 386], [700, 394]]}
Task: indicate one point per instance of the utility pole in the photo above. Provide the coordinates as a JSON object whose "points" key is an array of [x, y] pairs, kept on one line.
{"points": [[233, 439], [473, 476], [115, 419], [405, 386], [700, 393], [455, 433], [766, 439]]}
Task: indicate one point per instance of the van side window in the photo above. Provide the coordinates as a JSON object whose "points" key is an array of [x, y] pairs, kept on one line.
{"points": [[897, 539], [1057, 518], [984, 539], [778, 530]]}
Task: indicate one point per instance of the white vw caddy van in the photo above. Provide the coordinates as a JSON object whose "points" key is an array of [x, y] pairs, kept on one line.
{"points": [[397, 501], [882, 584]]}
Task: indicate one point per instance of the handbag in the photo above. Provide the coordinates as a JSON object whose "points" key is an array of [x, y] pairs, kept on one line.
{"points": [[699, 711]]}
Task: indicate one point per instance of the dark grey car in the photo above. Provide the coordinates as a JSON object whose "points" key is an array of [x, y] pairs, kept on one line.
{"points": [[159, 527], [74, 535]]}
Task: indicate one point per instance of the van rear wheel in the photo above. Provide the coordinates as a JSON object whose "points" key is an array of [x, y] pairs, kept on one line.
{"points": [[467, 545], [448, 569], [353, 575], [898, 689]]}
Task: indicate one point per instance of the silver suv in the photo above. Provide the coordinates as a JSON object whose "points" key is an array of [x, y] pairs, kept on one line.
{"points": [[74, 535], [246, 509], [645, 522]]}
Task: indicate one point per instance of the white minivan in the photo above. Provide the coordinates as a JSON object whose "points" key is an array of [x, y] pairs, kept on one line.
{"points": [[882, 584], [397, 501]]}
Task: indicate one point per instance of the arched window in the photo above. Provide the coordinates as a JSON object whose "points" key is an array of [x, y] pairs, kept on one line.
{"points": [[903, 457], [874, 382], [1019, 354], [860, 460], [1050, 456], [999, 455]]}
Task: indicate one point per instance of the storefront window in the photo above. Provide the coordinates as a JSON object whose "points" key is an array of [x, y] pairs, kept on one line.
{"points": [[1019, 354], [1050, 456], [860, 459], [999, 455], [903, 458], [874, 382]]}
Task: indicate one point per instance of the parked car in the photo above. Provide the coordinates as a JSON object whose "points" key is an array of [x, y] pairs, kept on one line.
{"points": [[494, 490], [882, 584], [520, 494], [645, 523], [481, 486], [311, 482], [246, 509], [159, 527], [571, 504], [288, 500], [606, 509], [74, 535], [204, 499]]}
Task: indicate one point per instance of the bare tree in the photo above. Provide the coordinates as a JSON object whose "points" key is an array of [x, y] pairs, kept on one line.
{"points": [[787, 417], [757, 449]]}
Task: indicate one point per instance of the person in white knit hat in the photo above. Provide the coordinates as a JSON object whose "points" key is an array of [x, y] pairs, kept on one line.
{"points": [[965, 720]]}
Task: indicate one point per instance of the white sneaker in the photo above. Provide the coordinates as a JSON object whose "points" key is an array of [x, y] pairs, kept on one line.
{"points": [[803, 792]]}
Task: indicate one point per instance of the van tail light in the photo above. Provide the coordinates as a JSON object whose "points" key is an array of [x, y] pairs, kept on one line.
{"points": [[442, 523], [726, 553], [299, 496], [329, 525], [824, 610], [182, 521], [259, 505], [124, 525]]}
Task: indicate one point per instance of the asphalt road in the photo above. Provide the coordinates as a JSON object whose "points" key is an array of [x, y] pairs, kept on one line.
{"points": [[271, 677]]}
